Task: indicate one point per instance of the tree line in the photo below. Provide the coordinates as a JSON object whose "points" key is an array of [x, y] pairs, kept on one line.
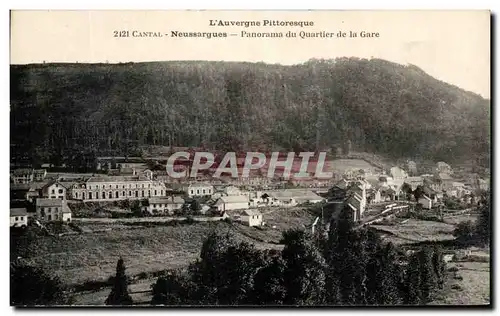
{"points": [[59, 112], [344, 266]]}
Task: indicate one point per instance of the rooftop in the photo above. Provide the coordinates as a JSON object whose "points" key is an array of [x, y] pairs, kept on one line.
{"points": [[18, 212], [199, 185], [250, 212], [48, 202], [235, 199], [22, 172], [166, 200], [117, 179]]}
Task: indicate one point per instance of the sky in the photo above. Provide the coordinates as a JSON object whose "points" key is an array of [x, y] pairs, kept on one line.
{"points": [[453, 46]]}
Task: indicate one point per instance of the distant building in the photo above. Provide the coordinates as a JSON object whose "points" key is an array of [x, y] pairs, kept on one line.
{"points": [[18, 217], [232, 190], [412, 168], [54, 190], [52, 210], [251, 218], [483, 184], [443, 167], [117, 188], [414, 182], [200, 189], [442, 181], [163, 205], [235, 202], [374, 195], [426, 202], [398, 173], [148, 174], [39, 174], [343, 184], [357, 201], [19, 176], [300, 196]]}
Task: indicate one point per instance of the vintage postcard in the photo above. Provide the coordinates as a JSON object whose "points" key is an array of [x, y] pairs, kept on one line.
{"points": [[250, 158]]}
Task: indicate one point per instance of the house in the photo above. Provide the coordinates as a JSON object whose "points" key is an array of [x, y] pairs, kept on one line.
{"points": [[200, 189], [357, 201], [414, 182], [127, 171], [54, 190], [374, 195], [234, 202], [48, 209], [163, 205], [445, 180], [483, 184], [22, 176], [107, 188], [343, 184], [251, 218], [232, 190], [39, 174], [300, 196], [284, 201], [398, 173], [388, 194], [148, 174], [443, 167], [18, 217], [426, 202], [430, 193]]}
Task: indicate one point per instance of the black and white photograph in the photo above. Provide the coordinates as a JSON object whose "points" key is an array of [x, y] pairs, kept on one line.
{"points": [[169, 158]]}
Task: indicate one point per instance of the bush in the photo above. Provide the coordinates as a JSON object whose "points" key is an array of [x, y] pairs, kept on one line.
{"points": [[31, 286], [453, 269], [458, 277]]}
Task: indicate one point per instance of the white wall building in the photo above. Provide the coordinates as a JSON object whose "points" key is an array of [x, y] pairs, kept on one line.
{"points": [[54, 190], [164, 205], [234, 202], [251, 218], [426, 202], [52, 210], [200, 189], [18, 217], [117, 188]]}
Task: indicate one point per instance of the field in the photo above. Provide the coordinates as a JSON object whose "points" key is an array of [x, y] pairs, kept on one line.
{"points": [[93, 256], [473, 289], [276, 222], [341, 165], [413, 230]]}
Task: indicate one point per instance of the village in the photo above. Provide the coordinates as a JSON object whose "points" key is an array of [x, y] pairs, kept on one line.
{"points": [[39, 196]]}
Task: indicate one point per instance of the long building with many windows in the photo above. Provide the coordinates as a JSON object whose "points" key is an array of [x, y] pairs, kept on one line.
{"points": [[117, 188]]}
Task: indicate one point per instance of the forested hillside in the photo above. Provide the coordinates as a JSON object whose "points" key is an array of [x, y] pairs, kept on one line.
{"points": [[378, 106]]}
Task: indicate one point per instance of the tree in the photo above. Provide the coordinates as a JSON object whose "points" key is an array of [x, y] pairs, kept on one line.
{"points": [[135, 207], [31, 286], [195, 207], [428, 279], [268, 286], [119, 293], [206, 271], [484, 223], [304, 276], [406, 188], [418, 192], [464, 232], [412, 290], [174, 289], [439, 266]]}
